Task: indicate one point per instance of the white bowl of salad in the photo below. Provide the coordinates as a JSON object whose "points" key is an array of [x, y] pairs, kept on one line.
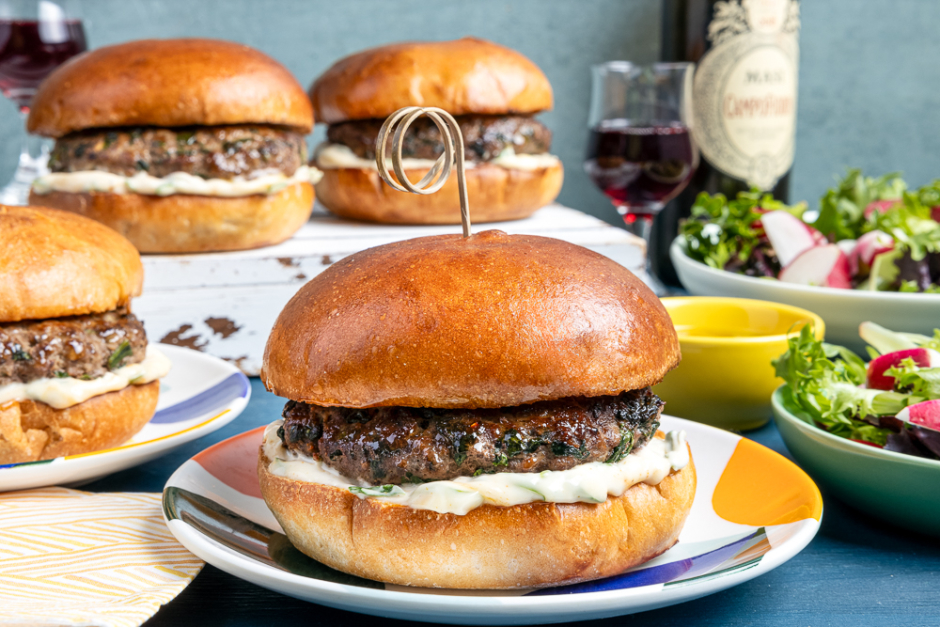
{"points": [[872, 252]]}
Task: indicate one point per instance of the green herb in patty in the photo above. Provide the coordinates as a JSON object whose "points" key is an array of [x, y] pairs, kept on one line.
{"points": [[122, 352]]}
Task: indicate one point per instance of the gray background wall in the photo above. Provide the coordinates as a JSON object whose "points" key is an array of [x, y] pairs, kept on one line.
{"points": [[869, 72]]}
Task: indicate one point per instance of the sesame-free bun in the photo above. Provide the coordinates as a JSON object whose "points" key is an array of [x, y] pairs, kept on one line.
{"points": [[57, 264], [495, 194], [493, 320], [464, 76], [166, 83], [490, 547], [30, 430], [186, 223]]}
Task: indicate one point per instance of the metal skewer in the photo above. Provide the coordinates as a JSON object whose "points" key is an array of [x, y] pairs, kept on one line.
{"points": [[440, 171]]}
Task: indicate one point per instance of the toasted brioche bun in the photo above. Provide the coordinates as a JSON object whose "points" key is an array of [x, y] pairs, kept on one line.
{"points": [[491, 547], [463, 76], [57, 264], [184, 223], [493, 320], [495, 194], [30, 430], [168, 82]]}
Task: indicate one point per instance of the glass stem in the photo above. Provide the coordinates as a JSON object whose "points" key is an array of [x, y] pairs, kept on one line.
{"points": [[33, 162], [34, 153], [640, 225]]}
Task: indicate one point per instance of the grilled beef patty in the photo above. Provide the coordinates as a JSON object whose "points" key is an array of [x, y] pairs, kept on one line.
{"points": [[84, 347], [484, 136], [411, 445], [210, 152]]}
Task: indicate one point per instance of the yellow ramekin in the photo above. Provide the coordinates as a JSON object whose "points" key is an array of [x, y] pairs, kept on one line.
{"points": [[725, 378]]}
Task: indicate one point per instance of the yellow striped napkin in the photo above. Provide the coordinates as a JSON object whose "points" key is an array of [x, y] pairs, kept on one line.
{"points": [[77, 558]]}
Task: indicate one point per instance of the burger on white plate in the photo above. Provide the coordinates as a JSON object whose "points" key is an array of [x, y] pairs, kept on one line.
{"points": [[493, 92], [76, 372], [475, 413], [180, 145]]}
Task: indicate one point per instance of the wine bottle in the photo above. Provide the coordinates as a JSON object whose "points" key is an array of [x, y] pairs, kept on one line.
{"points": [[744, 101]]}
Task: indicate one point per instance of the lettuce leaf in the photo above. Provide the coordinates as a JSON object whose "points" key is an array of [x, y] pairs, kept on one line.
{"points": [[923, 384], [722, 232], [911, 224], [842, 209], [825, 381]]}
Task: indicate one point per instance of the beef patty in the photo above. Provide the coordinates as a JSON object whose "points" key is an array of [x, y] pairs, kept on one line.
{"points": [[211, 152], [410, 445], [484, 136], [84, 347]]}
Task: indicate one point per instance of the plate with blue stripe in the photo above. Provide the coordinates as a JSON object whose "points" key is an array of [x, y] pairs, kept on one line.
{"points": [[753, 511], [201, 394]]}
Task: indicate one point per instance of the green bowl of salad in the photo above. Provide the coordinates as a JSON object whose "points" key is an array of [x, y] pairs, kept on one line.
{"points": [[839, 417]]}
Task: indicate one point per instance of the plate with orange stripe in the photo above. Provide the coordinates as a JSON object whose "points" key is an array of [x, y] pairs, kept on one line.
{"points": [[753, 511], [201, 394]]}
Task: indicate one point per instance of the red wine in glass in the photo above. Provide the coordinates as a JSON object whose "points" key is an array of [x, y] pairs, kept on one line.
{"points": [[30, 50], [640, 167]]}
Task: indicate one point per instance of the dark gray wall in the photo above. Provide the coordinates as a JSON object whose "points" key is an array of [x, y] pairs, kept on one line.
{"points": [[868, 76]]}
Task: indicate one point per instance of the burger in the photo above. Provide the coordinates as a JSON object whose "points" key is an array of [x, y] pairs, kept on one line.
{"points": [[492, 91], [180, 145], [76, 372], [474, 413]]}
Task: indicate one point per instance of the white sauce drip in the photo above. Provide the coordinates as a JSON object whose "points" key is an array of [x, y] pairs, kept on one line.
{"points": [[68, 391], [335, 156], [586, 483], [266, 181]]}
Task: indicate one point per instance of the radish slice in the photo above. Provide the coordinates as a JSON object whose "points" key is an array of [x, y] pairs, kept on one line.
{"points": [[789, 235], [872, 244], [935, 214], [926, 414], [878, 380], [821, 265], [849, 247]]}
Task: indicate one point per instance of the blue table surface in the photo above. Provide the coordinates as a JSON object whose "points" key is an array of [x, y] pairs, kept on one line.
{"points": [[858, 570]]}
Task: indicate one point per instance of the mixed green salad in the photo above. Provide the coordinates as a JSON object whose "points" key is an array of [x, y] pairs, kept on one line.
{"points": [[892, 402], [869, 233]]}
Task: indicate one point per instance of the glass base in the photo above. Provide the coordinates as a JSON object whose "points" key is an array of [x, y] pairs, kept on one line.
{"points": [[16, 192]]}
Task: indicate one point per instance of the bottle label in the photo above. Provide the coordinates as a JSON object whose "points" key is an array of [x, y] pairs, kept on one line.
{"points": [[744, 93]]}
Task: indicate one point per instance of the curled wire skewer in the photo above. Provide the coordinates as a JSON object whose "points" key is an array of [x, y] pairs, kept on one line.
{"points": [[440, 171]]}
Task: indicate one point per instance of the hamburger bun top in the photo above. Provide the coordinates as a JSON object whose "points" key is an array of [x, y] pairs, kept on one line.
{"points": [[464, 76], [169, 82], [493, 320], [57, 263]]}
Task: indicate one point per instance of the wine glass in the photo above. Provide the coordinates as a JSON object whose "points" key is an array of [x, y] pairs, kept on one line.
{"points": [[36, 36], [640, 152]]}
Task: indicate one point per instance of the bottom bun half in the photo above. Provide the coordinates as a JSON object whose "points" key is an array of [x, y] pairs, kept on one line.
{"points": [[185, 223], [495, 194], [31, 431], [523, 546]]}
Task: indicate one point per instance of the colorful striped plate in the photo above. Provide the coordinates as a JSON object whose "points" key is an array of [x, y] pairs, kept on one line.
{"points": [[753, 511], [200, 395]]}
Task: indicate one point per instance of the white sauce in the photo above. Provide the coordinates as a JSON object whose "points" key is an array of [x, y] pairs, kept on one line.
{"points": [[68, 391], [334, 156], [587, 483], [260, 182]]}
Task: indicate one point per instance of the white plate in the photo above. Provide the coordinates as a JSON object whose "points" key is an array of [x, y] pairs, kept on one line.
{"points": [[200, 395], [753, 511], [842, 310]]}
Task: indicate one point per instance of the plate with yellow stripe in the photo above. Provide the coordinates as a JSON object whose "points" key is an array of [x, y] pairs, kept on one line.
{"points": [[753, 511], [201, 394]]}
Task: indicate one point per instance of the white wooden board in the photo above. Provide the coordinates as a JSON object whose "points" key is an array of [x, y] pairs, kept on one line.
{"points": [[225, 303]]}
